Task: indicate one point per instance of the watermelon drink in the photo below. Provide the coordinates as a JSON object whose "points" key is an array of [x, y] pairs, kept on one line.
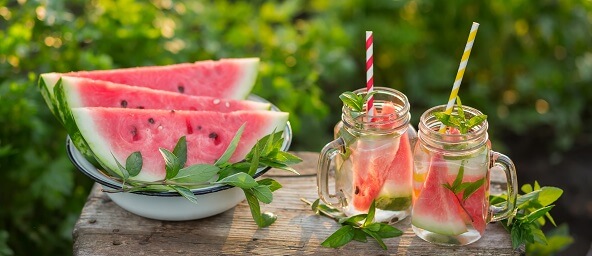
{"points": [[451, 181], [372, 157]]}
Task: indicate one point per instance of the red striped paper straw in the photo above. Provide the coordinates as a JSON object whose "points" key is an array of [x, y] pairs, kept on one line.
{"points": [[369, 71]]}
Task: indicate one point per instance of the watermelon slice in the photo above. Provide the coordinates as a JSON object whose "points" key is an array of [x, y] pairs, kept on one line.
{"points": [[84, 92], [370, 157], [435, 209], [226, 78], [382, 167], [118, 132], [395, 194]]}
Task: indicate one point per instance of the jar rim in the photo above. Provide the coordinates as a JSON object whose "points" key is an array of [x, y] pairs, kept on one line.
{"points": [[430, 136], [386, 123]]}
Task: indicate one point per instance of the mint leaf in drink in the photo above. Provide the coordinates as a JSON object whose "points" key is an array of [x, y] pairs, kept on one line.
{"points": [[459, 120], [354, 101]]}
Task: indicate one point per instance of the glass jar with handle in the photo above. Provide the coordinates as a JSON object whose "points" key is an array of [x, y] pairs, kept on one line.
{"points": [[372, 155], [451, 181]]}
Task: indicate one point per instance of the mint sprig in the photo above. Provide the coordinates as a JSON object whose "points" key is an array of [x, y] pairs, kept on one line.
{"points": [[459, 121], [355, 102], [358, 227], [532, 213], [266, 152]]}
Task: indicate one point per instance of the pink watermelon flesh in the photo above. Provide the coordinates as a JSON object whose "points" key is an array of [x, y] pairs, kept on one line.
{"points": [[119, 132], [395, 194], [436, 209], [476, 205], [371, 161], [84, 92], [226, 78]]}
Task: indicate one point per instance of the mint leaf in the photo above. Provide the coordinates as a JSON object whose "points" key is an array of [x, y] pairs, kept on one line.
{"points": [[443, 118], [263, 193], [241, 180], [171, 163], [352, 101], [354, 220], [460, 111], [124, 174], [537, 214], [133, 163], [376, 237], [476, 120], [286, 158], [459, 176], [231, 147], [315, 206], [254, 161], [472, 187], [370, 216], [272, 184], [526, 188], [341, 237], [180, 151], [548, 195], [256, 210], [185, 192], [198, 173], [388, 231], [360, 235]]}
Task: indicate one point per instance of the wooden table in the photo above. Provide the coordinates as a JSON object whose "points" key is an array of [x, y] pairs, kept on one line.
{"points": [[106, 229]]}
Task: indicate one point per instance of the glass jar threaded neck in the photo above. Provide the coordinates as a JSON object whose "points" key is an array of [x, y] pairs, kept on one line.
{"points": [[391, 113], [432, 139]]}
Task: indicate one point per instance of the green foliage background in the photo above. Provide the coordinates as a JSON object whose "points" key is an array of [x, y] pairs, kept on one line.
{"points": [[530, 70]]}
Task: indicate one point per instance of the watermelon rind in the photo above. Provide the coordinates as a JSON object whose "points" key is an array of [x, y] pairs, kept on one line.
{"points": [[88, 129], [393, 203], [247, 81], [46, 84], [64, 114]]}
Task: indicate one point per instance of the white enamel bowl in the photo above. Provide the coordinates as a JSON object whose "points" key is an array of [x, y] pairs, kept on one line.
{"points": [[170, 205]]}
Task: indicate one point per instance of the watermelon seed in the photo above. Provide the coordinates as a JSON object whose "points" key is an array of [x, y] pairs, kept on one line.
{"points": [[135, 134], [151, 120], [140, 107], [181, 88], [124, 103], [214, 136], [357, 190], [199, 127], [189, 127]]}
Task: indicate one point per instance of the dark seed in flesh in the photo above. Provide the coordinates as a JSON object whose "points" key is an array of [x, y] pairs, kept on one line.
{"points": [[124, 104], [151, 120], [181, 88]]}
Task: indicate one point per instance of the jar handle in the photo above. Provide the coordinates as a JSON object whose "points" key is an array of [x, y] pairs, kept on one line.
{"points": [[326, 157], [506, 164]]}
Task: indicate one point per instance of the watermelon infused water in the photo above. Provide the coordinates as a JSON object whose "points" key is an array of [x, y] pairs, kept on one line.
{"points": [[451, 180], [372, 158]]}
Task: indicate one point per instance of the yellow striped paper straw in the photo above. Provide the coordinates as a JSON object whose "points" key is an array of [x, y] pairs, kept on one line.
{"points": [[461, 71]]}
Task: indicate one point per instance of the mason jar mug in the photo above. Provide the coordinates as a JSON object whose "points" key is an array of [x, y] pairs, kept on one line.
{"points": [[451, 181], [372, 156]]}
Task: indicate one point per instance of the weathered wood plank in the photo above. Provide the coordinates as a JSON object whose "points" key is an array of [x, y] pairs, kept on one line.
{"points": [[105, 229]]}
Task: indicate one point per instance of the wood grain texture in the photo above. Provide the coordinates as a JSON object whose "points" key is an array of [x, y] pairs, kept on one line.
{"points": [[106, 229]]}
